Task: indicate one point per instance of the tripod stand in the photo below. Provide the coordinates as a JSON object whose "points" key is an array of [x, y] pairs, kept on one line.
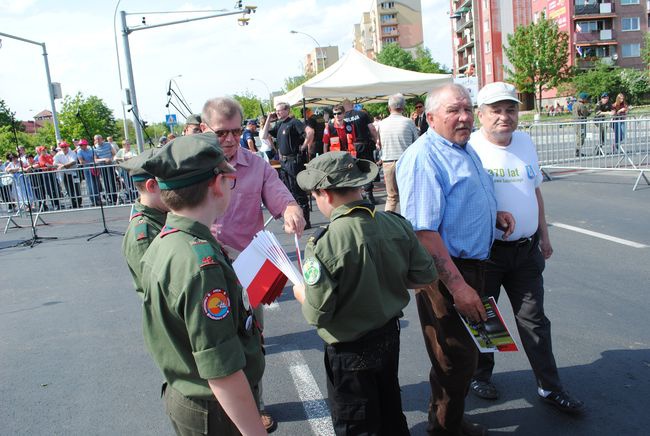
{"points": [[35, 239], [105, 231]]}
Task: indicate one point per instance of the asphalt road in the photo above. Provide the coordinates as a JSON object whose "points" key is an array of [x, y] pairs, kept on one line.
{"points": [[72, 359]]}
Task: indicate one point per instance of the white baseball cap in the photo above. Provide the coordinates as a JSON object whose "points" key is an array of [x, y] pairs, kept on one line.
{"points": [[496, 91]]}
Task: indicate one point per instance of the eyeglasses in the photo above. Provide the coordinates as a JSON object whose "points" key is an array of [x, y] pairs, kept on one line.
{"points": [[338, 113], [223, 134], [232, 180]]}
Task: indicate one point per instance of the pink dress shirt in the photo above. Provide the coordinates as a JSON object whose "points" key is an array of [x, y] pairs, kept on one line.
{"points": [[257, 183]]}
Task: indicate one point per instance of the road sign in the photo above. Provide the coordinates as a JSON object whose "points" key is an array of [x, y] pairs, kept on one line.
{"points": [[170, 119]]}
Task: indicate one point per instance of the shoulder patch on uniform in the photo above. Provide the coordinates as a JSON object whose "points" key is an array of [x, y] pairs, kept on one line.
{"points": [[141, 230], [318, 234], [311, 270], [395, 213], [216, 304], [134, 215], [204, 253], [167, 230]]}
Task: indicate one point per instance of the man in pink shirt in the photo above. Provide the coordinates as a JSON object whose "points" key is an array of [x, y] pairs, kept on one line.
{"points": [[257, 183]]}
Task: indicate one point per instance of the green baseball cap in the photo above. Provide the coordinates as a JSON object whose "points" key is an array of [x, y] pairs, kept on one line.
{"points": [[134, 165], [188, 160], [336, 169], [193, 119]]}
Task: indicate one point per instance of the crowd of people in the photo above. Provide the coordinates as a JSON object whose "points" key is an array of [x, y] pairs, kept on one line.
{"points": [[47, 178], [472, 222], [605, 113]]}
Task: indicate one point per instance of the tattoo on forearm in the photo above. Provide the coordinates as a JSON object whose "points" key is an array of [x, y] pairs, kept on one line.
{"points": [[446, 276]]}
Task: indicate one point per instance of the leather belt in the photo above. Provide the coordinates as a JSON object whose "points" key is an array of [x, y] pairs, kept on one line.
{"points": [[518, 243]]}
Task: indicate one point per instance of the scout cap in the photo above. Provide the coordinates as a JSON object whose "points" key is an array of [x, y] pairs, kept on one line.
{"points": [[495, 92], [188, 160], [336, 169], [134, 165], [193, 119]]}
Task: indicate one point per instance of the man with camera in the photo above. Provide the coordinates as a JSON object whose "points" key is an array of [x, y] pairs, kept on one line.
{"points": [[293, 146]]}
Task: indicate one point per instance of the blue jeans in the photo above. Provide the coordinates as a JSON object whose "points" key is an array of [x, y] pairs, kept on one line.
{"points": [[619, 133]]}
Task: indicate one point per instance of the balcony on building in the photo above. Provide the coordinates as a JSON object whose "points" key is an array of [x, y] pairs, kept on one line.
{"points": [[461, 4], [465, 43], [592, 54], [595, 36], [465, 22], [599, 9]]}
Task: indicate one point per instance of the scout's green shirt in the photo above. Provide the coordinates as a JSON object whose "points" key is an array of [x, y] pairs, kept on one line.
{"points": [[194, 321], [356, 273], [144, 225]]}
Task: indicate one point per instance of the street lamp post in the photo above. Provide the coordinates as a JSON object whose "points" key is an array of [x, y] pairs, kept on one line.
{"points": [[55, 119], [126, 30], [318, 46], [267, 90]]}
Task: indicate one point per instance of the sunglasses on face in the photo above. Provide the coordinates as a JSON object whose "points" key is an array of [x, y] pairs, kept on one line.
{"points": [[223, 134], [338, 113], [419, 107]]}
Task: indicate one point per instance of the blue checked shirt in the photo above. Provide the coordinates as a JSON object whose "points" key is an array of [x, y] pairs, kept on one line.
{"points": [[444, 188]]}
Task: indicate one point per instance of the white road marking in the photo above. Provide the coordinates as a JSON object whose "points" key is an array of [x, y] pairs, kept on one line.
{"points": [[318, 414], [600, 235], [273, 306]]}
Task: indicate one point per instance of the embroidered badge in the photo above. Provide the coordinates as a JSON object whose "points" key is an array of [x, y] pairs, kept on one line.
{"points": [[216, 304], [141, 230], [530, 171], [204, 253], [311, 271]]}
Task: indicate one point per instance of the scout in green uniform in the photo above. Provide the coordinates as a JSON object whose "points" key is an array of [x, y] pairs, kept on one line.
{"points": [[147, 215], [357, 274], [196, 323]]}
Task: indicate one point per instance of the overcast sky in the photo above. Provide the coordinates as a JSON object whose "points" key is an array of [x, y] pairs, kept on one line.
{"points": [[215, 57]]}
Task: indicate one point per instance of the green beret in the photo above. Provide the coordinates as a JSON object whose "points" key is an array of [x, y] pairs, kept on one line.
{"points": [[134, 165], [193, 119], [336, 169], [188, 160]]}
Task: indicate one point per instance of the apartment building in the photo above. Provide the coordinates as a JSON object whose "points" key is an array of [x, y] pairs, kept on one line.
{"points": [[610, 31], [320, 58], [480, 29], [398, 21]]}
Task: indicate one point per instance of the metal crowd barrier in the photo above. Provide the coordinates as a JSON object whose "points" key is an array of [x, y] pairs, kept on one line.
{"points": [[49, 192], [594, 144]]}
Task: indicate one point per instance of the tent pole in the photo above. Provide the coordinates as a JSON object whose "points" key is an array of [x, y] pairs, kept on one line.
{"points": [[304, 111]]}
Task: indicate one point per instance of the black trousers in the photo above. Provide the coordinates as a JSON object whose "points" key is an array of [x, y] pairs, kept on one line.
{"points": [[518, 268], [72, 188], [451, 350], [363, 386], [291, 166]]}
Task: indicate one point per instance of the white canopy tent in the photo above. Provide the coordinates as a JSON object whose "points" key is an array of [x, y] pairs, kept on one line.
{"points": [[361, 79]]}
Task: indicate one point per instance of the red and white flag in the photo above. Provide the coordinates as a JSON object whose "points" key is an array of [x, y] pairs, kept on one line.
{"points": [[263, 269]]}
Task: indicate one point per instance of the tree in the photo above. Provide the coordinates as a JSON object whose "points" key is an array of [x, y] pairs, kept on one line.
{"points": [[6, 116], [645, 51], [295, 81], [251, 104], [426, 64], [8, 141], [93, 111], [539, 54], [395, 56], [635, 84], [602, 78]]}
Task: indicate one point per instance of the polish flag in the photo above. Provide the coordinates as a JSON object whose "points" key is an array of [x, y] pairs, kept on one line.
{"points": [[263, 269]]}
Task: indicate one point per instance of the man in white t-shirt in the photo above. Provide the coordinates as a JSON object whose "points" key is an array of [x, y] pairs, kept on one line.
{"points": [[517, 262]]}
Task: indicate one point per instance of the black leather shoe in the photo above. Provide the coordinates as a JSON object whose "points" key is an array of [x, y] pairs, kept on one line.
{"points": [[472, 429], [484, 389], [564, 402]]}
